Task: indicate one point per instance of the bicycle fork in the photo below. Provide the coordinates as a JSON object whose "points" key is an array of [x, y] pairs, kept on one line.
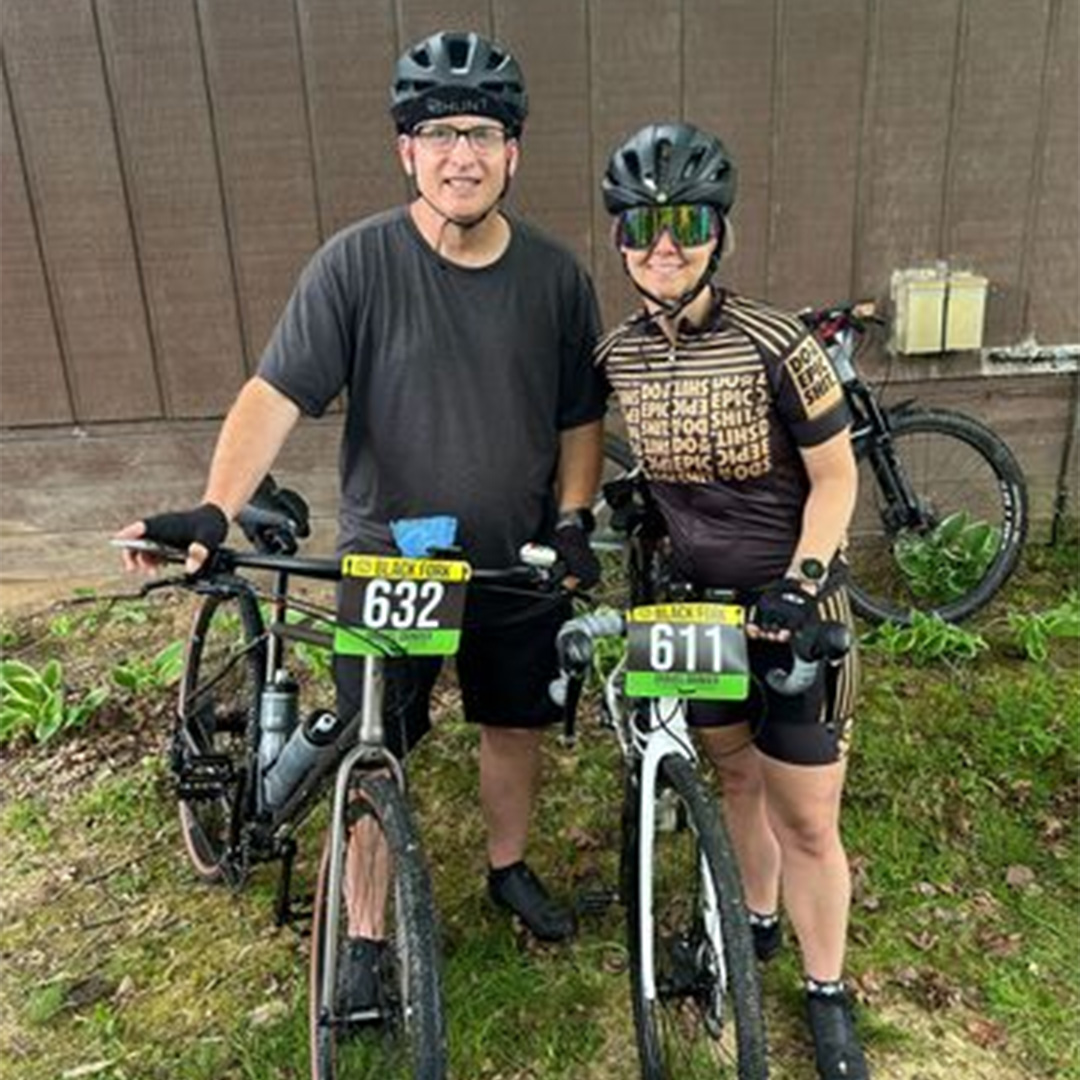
{"points": [[370, 736], [660, 743]]}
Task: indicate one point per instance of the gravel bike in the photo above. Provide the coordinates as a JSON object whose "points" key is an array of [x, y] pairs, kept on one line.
{"points": [[694, 980], [942, 512], [249, 770]]}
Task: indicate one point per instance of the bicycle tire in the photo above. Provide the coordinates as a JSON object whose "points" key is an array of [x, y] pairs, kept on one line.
{"points": [[706, 1018], [956, 466], [217, 728], [618, 461], [407, 1041]]}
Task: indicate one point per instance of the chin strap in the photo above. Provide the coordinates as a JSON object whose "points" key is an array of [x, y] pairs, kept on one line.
{"points": [[673, 308], [464, 224]]}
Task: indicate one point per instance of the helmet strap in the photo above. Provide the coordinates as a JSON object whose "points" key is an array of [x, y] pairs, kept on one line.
{"points": [[672, 309], [464, 224]]}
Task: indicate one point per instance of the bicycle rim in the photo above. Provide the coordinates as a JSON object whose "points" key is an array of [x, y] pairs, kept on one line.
{"points": [[403, 1037], [955, 548], [704, 1017], [217, 711]]}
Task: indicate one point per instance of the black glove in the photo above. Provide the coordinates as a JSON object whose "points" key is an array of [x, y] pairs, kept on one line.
{"points": [[572, 545], [206, 525], [785, 605]]}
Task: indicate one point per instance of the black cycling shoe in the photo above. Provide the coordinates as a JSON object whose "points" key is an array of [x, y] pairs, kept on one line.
{"points": [[519, 890], [768, 939], [837, 1051], [358, 980]]}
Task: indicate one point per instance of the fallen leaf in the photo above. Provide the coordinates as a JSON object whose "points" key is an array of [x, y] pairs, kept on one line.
{"points": [[1019, 877], [986, 1033], [265, 1014]]}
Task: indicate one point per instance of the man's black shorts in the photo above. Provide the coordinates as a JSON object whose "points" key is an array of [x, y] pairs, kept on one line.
{"points": [[506, 662]]}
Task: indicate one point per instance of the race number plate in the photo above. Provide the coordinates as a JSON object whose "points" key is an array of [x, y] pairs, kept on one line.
{"points": [[400, 606], [687, 651]]}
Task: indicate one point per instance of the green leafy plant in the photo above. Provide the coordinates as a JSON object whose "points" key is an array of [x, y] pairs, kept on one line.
{"points": [[946, 562], [36, 702], [1032, 631], [160, 671], [929, 638]]}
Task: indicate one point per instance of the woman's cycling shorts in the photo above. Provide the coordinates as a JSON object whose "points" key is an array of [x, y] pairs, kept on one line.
{"points": [[811, 728]]}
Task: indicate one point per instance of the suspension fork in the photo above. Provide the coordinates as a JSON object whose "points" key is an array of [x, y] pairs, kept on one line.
{"points": [[874, 434]]}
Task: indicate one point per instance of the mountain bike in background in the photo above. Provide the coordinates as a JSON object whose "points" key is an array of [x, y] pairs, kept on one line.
{"points": [[942, 512]]}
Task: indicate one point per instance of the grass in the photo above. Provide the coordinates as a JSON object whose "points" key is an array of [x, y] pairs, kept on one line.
{"points": [[960, 819]]}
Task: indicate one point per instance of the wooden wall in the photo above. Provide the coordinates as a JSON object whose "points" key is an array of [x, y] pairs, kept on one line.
{"points": [[169, 165]]}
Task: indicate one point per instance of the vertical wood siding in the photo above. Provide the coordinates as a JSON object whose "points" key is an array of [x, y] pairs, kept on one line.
{"points": [[168, 166]]}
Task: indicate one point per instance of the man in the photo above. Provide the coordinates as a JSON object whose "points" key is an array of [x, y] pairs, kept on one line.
{"points": [[756, 481], [462, 338]]}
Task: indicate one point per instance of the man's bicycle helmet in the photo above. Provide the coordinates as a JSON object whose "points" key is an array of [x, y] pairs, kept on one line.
{"points": [[667, 164], [458, 74]]}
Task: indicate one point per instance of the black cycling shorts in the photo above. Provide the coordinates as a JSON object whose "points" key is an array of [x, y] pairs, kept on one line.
{"points": [[812, 728], [505, 664]]}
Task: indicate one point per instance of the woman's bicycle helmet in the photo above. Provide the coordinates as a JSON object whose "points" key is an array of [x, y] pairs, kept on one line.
{"points": [[457, 74], [669, 164]]}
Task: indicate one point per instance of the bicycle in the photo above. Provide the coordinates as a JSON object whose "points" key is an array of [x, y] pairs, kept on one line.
{"points": [[942, 512], [249, 772], [694, 980]]}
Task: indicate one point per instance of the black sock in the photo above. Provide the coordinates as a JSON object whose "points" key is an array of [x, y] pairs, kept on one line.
{"points": [[498, 875]]}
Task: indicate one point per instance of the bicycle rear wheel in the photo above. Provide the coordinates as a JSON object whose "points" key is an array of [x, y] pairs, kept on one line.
{"points": [[404, 1036], [951, 549], [700, 1016], [216, 727]]}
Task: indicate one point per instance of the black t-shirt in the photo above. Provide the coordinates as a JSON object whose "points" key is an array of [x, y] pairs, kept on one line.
{"points": [[717, 421], [459, 380]]}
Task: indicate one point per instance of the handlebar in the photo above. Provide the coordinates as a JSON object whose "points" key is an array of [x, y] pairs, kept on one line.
{"points": [[223, 560], [825, 642]]}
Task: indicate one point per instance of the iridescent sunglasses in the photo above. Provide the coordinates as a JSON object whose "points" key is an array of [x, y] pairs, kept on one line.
{"points": [[640, 227]]}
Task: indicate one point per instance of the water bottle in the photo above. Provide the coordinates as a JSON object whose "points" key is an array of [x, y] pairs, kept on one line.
{"points": [[277, 717], [311, 744]]}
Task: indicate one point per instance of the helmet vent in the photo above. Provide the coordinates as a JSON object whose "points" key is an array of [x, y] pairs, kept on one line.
{"points": [[422, 57], [458, 50], [693, 163], [663, 159]]}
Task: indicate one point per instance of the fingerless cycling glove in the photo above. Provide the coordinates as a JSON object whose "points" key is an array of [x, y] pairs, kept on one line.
{"points": [[785, 605], [206, 525]]}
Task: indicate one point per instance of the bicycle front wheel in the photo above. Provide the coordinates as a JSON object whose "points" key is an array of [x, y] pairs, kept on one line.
{"points": [[694, 980], [216, 726], [401, 1035], [940, 521]]}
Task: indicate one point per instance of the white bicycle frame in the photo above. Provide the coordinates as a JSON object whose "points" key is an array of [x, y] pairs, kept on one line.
{"points": [[667, 733]]}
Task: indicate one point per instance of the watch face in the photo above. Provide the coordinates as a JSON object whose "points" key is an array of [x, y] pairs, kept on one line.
{"points": [[812, 569]]}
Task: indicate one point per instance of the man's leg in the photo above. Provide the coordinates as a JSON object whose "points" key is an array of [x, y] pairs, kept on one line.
{"points": [[509, 775]]}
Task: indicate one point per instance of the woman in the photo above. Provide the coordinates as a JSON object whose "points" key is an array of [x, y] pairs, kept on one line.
{"points": [[740, 425]]}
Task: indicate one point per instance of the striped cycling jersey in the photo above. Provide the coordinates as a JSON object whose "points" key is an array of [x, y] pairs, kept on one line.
{"points": [[716, 420]]}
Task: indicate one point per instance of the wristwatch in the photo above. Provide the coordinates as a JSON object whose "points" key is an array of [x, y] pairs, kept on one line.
{"points": [[812, 571], [581, 517]]}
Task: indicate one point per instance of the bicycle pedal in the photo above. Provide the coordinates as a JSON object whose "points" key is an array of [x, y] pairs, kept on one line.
{"points": [[595, 901]]}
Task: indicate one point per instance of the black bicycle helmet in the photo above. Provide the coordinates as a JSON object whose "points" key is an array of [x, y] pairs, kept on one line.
{"points": [[457, 74], [666, 164]]}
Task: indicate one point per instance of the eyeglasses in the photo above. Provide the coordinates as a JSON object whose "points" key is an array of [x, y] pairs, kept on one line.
{"points": [[442, 138], [640, 227]]}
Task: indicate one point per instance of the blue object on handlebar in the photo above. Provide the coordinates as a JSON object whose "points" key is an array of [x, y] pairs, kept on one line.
{"points": [[416, 537]]}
